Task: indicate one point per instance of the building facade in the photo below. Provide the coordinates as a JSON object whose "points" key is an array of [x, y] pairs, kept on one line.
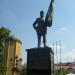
{"points": [[67, 67], [12, 50]]}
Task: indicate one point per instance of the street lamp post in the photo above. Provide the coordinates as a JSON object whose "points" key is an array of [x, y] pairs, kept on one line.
{"points": [[16, 63]]}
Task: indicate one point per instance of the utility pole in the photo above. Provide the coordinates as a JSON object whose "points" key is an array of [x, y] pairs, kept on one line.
{"points": [[56, 52], [60, 56], [56, 58], [53, 46]]}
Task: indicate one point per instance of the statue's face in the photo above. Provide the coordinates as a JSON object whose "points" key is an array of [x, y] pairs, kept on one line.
{"points": [[42, 15]]}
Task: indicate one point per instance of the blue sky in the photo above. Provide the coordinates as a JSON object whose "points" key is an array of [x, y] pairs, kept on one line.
{"points": [[19, 15]]}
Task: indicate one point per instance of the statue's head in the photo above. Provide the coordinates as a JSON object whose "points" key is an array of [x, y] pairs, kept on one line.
{"points": [[41, 13]]}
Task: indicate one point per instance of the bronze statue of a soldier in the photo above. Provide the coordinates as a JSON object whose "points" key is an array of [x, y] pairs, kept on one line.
{"points": [[40, 25], [41, 28]]}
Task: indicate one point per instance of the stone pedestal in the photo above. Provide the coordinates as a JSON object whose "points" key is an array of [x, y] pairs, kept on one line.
{"points": [[40, 61]]}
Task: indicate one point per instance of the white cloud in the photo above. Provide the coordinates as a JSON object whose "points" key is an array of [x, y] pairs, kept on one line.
{"points": [[66, 56], [62, 29], [69, 55]]}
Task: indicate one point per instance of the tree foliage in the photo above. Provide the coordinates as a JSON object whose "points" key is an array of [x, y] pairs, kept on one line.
{"points": [[59, 72], [23, 70], [4, 33]]}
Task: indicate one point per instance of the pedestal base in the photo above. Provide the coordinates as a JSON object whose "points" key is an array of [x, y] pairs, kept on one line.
{"points": [[40, 61]]}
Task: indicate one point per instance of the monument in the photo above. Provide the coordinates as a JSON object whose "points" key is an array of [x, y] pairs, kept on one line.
{"points": [[40, 60]]}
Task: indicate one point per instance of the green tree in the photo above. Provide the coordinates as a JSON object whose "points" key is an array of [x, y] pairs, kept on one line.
{"points": [[59, 72], [23, 70], [4, 33]]}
